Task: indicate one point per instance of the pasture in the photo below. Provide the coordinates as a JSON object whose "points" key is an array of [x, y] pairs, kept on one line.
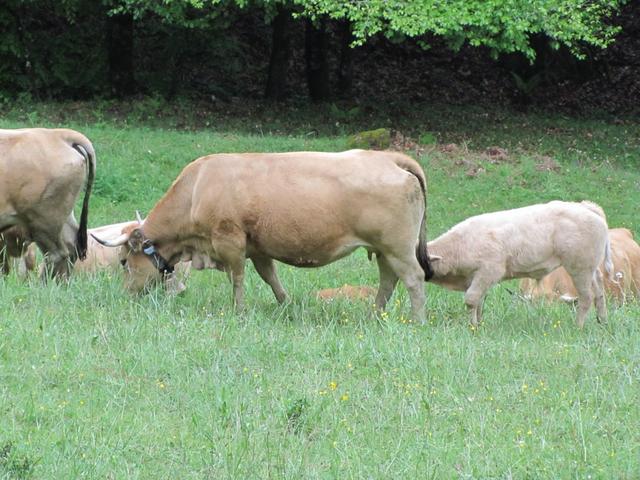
{"points": [[95, 383]]}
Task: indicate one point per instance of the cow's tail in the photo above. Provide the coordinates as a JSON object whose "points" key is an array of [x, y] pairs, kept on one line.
{"points": [[413, 167], [83, 146], [608, 262]]}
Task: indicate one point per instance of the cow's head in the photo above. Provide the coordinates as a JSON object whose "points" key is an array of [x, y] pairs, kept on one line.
{"points": [[143, 265]]}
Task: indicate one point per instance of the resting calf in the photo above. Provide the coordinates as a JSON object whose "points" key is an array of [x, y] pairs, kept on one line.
{"points": [[525, 242]]}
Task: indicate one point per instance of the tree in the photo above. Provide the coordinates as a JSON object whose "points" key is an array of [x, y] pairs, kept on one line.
{"points": [[501, 25]]}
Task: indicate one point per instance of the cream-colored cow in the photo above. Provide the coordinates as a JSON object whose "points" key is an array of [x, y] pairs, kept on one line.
{"points": [[525, 242], [625, 253]]}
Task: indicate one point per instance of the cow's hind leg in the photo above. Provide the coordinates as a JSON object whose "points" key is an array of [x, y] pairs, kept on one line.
{"points": [[56, 257], [267, 271], [583, 281], [5, 261], [410, 272], [388, 281], [598, 293]]}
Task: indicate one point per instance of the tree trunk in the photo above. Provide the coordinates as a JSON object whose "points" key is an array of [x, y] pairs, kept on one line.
{"points": [[316, 42], [280, 55], [345, 67], [120, 54]]}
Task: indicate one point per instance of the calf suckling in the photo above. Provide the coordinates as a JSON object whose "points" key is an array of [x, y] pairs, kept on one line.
{"points": [[527, 242], [305, 209]]}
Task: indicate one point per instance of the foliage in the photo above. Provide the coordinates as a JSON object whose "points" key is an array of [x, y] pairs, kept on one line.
{"points": [[503, 26]]}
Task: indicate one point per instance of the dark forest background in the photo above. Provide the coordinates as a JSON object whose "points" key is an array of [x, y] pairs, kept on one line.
{"points": [[237, 55]]}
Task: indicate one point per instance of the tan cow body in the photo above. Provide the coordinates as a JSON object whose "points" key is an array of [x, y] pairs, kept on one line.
{"points": [[625, 253], [305, 209], [525, 242], [41, 174]]}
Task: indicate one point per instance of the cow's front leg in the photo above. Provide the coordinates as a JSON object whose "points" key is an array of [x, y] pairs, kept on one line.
{"points": [[267, 271], [236, 272]]}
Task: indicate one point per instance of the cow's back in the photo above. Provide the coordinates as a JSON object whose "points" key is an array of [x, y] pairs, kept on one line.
{"points": [[45, 157], [301, 203]]}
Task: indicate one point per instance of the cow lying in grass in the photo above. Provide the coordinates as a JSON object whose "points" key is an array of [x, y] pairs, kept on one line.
{"points": [[349, 292], [305, 209], [625, 253], [525, 242]]}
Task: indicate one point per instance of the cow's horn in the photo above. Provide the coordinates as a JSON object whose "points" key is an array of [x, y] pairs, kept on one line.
{"points": [[138, 217], [121, 240]]}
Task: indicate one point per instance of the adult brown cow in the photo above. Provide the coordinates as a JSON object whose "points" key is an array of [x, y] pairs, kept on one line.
{"points": [[41, 174], [305, 209]]}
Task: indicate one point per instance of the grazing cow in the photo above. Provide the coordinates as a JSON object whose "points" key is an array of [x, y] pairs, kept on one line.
{"points": [[41, 174], [525, 242], [625, 253], [305, 209], [349, 292], [14, 242], [101, 257]]}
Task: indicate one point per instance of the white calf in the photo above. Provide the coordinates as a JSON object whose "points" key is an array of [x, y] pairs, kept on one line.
{"points": [[525, 242]]}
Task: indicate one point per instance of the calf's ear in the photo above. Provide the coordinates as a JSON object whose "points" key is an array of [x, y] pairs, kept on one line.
{"points": [[136, 239]]}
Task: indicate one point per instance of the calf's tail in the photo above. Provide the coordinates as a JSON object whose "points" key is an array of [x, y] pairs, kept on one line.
{"points": [[608, 262], [413, 167], [83, 146]]}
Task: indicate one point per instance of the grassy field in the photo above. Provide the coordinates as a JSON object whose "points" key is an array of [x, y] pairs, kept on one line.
{"points": [[95, 383]]}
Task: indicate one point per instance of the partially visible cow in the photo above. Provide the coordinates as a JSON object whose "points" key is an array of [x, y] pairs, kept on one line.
{"points": [[525, 242], [625, 253], [305, 209], [41, 173], [14, 243], [349, 292]]}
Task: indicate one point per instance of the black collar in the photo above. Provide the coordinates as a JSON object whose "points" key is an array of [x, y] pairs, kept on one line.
{"points": [[158, 260]]}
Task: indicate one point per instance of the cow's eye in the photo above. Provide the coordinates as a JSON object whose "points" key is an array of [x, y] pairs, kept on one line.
{"points": [[123, 262]]}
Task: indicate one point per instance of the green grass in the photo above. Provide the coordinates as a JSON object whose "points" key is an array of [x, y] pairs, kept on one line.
{"points": [[95, 383]]}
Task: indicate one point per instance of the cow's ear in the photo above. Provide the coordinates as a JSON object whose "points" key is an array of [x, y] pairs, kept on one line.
{"points": [[434, 258], [136, 239]]}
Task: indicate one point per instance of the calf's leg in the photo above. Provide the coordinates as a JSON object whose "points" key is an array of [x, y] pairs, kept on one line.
{"points": [[482, 281], [267, 271]]}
